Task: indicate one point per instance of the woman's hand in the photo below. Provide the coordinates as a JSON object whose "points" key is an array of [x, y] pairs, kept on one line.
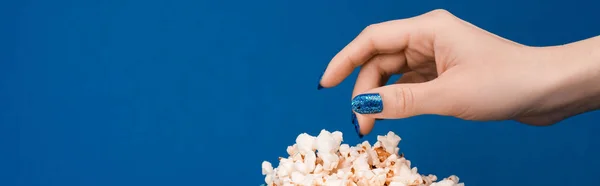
{"points": [[451, 67]]}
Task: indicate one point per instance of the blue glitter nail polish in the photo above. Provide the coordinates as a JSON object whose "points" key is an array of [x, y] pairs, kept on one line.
{"points": [[367, 103], [356, 126]]}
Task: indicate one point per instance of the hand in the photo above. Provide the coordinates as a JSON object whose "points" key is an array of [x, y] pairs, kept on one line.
{"points": [[453, 68]]}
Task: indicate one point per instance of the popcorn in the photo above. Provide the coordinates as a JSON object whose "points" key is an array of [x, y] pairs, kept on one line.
{"points": [[292, 150], [267, 168], [305, 144], [310, 161], [324, 160], [389, 142]]}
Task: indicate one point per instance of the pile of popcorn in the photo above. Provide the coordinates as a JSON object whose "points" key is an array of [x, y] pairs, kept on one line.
{"points": [[323, 160]]}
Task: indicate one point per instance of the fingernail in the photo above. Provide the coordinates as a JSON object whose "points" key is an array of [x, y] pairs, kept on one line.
{"points": [[367, 103], [356, 126], [320, 78]]}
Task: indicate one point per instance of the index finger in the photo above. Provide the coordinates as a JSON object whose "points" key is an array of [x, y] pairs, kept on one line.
{"points": [[382, 38]]}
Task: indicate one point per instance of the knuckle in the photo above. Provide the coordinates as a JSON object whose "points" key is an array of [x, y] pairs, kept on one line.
{"points": [[371, 28], [440, 16], [440, 13], [404, 101], [462, 112], [439, 20], [352, 61], [367, 36]]}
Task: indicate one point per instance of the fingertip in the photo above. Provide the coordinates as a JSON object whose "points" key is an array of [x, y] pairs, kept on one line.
{"points": [[332, 77], [364, 125], [327, 80]]}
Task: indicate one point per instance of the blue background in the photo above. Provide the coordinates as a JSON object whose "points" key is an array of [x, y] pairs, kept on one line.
{"points": [[184, 92]]}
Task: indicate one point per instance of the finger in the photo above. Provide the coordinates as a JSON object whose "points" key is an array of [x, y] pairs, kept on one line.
{"points": [[373, 74], [411, 77], [383, 38], [377, 71], [403, 100]]}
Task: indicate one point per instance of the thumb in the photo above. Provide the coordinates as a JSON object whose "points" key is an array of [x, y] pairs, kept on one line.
{"points": [[402, 101]]}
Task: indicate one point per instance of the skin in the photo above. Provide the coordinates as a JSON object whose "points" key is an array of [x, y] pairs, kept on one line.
{"points": [[453, 68]]}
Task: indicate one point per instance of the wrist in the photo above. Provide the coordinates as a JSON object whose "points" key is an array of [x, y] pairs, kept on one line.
{"points": [[576, 73]]}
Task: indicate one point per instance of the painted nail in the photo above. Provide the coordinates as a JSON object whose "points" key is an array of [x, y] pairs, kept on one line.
{"points": [[356, 126], [321, 78], [367, 103]]}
